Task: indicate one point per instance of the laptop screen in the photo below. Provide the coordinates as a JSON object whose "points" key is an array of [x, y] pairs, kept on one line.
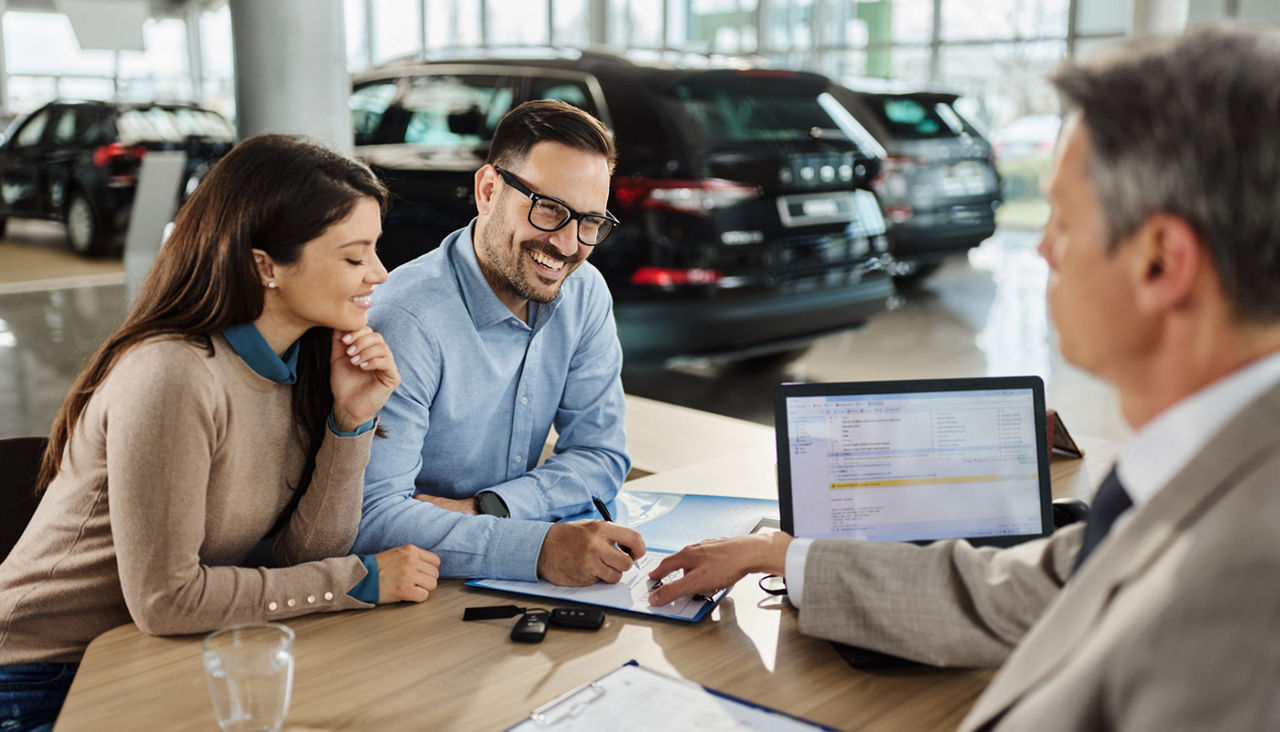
{"points": [[914, 460]]}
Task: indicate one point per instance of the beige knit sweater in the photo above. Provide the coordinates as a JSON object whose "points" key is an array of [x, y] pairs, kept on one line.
{"points": [[180, 464]]}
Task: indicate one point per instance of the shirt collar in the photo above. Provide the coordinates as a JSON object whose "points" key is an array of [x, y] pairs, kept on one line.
{"points": [[478, 296], [250, 346], [1161, 449]]}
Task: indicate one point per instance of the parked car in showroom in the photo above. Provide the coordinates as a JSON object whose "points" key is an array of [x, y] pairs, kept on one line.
{"points": [[939, 184], [77, 162], [748, 223]]}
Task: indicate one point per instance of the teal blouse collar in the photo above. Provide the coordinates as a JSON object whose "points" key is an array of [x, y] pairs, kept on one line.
{"points": [[250, 346]]}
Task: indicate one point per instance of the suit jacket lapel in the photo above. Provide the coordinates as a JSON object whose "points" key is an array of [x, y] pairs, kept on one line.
{"points": [[1124, 555]]}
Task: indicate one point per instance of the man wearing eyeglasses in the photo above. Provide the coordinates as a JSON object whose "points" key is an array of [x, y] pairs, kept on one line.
{"points": [[501, 333]]}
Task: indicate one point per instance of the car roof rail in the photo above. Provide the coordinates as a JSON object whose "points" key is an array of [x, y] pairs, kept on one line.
{"points": [[593, 53]]}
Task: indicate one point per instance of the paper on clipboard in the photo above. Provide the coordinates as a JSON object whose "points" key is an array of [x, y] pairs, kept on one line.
{"points": [[673, 520], [623, 701], [630, 593]]}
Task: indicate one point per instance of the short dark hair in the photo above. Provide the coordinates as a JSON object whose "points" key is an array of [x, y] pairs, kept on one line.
{"points": [[548, 120], [1190, 126]]}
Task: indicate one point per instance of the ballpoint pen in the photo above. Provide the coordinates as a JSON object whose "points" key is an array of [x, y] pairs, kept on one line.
{"points": [[604, 514]]}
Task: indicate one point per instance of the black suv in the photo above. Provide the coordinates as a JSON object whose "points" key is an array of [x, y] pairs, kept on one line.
{"points": [[938, 184], [748, 223], [77, 162]]}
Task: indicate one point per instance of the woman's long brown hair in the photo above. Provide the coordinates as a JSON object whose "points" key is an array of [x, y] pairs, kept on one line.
{"points": [[271, 192]]}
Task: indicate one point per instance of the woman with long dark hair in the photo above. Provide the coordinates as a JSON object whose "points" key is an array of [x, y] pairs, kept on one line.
{"points": [[233, 408]]}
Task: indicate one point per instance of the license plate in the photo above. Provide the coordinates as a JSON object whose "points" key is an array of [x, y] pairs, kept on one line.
{"points": [[858, 210], [820, 207], [966, 178]]}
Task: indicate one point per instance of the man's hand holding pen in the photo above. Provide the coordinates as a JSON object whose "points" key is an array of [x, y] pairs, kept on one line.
{"points": [[604, 514], [580, 553]]}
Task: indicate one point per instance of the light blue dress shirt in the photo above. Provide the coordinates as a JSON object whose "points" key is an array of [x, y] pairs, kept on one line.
{"points": [[479, 393]]}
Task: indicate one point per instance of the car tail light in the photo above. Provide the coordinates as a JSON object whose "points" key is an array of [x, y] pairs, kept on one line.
{"points": [[103, 155], [671, 276], [898, 214], [698, 197], [897, 164]]}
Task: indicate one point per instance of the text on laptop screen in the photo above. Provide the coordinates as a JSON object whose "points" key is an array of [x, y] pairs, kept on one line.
{"points": [[914, 466]]}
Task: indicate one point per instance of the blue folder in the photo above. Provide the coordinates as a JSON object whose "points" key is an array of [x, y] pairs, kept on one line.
{"points": [[672, 521]]}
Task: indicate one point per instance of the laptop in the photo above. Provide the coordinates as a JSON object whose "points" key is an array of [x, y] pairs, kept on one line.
{"points": [[915, 461]]}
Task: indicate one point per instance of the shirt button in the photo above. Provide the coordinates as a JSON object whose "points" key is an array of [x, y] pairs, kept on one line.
{"points": [[516, 459], [311, 599], [292, 602], [271, 606], [524, 400], [328, 595]]}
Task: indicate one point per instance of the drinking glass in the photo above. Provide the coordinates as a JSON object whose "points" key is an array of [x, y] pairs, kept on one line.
{"points": [[250, 673]]}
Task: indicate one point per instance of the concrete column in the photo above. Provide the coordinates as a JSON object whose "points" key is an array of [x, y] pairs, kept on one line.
{"points": [[1159, 17], [291, 71]]}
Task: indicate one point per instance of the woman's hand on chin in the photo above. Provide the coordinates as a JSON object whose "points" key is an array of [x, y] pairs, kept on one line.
{"points": [[362, 374]]}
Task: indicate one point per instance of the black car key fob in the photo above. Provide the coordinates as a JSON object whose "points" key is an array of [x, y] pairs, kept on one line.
{"points": [[590, 618], [530, 628]]}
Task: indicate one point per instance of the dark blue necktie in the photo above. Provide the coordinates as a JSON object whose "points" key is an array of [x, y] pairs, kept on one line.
{"points": [[1110, 501]]}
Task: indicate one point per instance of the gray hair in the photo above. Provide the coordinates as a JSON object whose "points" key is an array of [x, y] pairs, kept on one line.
{"points": [[1190, 126]]}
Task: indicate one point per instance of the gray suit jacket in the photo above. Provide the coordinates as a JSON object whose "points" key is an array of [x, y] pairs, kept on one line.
{"points": [[1173, 622]]}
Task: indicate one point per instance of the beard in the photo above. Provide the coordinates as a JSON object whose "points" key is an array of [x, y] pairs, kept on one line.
{"points": [[510, 272]]}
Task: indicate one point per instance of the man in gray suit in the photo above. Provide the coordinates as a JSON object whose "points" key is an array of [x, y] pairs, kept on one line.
{"points": [[1164, 259]]}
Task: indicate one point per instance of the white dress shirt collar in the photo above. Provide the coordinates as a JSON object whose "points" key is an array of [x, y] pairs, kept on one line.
{"points": [[1162, 448]]}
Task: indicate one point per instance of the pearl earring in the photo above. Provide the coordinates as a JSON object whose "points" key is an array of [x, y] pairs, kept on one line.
{"points": [[271, 285]]}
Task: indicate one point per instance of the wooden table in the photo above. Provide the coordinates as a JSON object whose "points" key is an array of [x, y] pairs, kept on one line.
{"points": [[415, 667]]}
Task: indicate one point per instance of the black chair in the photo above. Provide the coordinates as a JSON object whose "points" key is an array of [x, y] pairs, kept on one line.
{"points": [[19, 467]]}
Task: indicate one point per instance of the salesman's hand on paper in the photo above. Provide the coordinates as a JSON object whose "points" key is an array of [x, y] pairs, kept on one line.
{"points": [[406, 573], [712, 565], [580, 553]]}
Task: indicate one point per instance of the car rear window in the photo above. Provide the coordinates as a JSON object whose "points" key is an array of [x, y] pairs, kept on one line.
{"points": [[917, 119], [744, 109], [172, 124], [454, 110]]}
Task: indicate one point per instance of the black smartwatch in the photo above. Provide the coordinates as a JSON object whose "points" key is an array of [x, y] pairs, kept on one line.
{"points": [[491, 503]]}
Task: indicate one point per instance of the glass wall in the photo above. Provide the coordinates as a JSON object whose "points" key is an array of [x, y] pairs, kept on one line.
{"points": [[44, 61], [996, 53]]}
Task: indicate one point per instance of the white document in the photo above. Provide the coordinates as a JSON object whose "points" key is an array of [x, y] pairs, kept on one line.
{"points": [[630, 593], [624, 701]]}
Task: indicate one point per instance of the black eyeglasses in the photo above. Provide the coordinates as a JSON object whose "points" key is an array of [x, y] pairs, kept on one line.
{"points": [[550, 214]]}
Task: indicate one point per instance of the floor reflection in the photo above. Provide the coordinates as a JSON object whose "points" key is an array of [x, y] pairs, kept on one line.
{"points": [[45, 336], [981, 316]]}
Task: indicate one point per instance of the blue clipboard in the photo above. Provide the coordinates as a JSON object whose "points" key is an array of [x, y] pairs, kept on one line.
{"points": [[595, 704]]}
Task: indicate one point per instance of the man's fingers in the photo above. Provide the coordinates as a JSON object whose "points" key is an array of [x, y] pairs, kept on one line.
{"points": [[672, 591], [669, 564], [624, 536], [609, 574], [615, 559]]}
